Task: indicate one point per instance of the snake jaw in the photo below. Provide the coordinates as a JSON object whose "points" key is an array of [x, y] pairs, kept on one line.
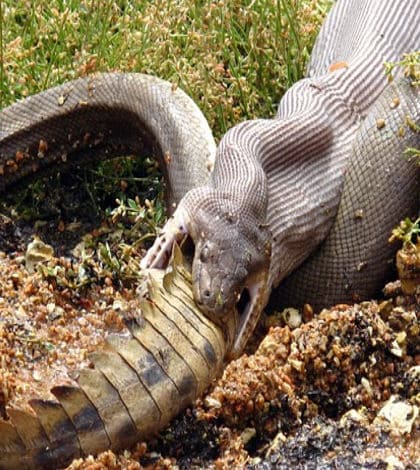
{"points": [[248, 317], [230, 265]]}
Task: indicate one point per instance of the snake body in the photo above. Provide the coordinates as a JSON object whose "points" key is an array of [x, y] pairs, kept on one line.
{"points": [[322, 171], [286, 175]]}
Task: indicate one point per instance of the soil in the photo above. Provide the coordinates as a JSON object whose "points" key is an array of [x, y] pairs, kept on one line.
{"points": [[338, 390]]}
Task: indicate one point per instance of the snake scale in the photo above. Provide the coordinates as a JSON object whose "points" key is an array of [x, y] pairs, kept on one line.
{"points": [[305, 200]]}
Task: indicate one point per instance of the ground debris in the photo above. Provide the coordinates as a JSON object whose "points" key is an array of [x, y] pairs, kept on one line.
{"points": [[322, 395]]}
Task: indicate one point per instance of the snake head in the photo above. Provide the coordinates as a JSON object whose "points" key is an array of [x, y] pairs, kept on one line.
{"points": [[230, 271]]}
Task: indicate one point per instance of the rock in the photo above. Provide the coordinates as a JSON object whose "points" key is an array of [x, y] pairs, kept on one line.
{"points": [[291, 317], [247, 434], [397, 416], [37, 252], [408, 265]]}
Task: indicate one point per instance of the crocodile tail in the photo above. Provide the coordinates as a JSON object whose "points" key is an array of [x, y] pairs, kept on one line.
{"points": [[138, 382]]}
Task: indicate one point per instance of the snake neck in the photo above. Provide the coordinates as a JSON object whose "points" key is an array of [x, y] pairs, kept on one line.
{"points": [[300, 157]]}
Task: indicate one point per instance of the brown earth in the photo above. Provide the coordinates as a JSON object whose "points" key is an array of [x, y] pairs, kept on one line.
{"points": [[340, 390]]}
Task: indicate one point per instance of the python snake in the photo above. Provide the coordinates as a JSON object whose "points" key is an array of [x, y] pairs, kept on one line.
{"points": [[323, 170], [305, 200]]}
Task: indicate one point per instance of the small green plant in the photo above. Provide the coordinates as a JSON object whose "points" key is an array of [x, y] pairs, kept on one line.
{"points": [[143, 218], [410, 63], [407, 231], [112, 252], [235, 59], [413, 154]]}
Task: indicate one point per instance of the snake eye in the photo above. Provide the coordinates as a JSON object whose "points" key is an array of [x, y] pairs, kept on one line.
{"points": [[204, 255]]}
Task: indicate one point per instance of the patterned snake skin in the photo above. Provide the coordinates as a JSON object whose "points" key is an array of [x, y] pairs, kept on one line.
{"points": [[323, 168]]}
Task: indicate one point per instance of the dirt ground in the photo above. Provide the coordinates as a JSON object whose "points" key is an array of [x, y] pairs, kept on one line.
{"points": [[338, 390]]}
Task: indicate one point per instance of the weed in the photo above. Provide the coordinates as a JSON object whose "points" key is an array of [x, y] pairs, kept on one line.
{"points": [[410, 63], [407, 231], [234, 58]]}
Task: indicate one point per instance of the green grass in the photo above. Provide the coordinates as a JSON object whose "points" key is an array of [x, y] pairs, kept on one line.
{"points": [[235, 58], [411, 65]]}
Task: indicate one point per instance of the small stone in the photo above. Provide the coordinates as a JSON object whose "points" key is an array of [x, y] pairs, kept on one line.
{"points": [[307, 313], [397, 416], [268, 346], [50, 307], [248, 434], [394, 103], [276, 444], [385, 308], [291, 317], [82, 321], [414, 372], [54, 311], [37, 252], [366, 385], [393, 463], [354, 416], [337, 66], [42, 148], [361, 265], [401, 337], [118, 305], [211, 402], [37, 376], [396, 349], [19, 156], [297, 365], [380, 123]]}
